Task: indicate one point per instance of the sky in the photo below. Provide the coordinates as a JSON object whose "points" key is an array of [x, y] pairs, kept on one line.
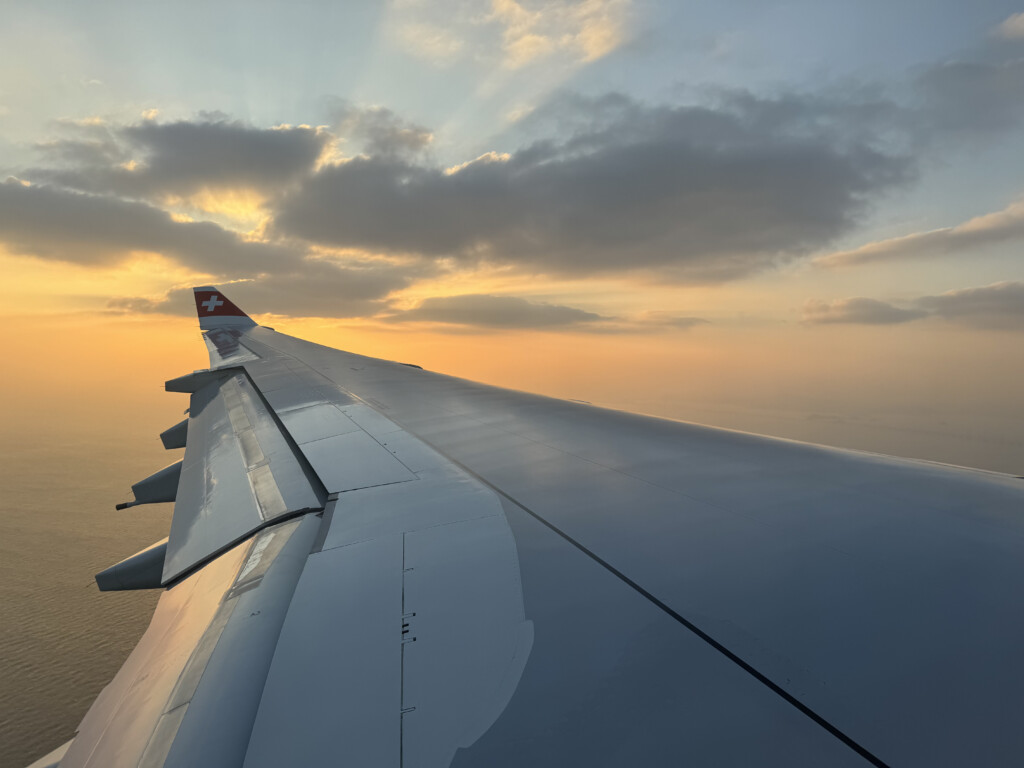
{"points": [[796, 218]]}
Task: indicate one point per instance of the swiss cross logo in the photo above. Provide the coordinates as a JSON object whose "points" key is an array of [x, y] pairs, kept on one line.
{"points": [[212, 303]]}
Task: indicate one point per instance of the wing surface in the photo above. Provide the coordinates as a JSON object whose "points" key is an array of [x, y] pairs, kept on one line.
{"points": [[441, 573], [239, 473]]}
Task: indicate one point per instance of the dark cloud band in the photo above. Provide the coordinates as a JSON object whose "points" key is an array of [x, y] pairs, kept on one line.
{"points": [[702, 194], [997, 306], [316, 288], [152, 160], [482, 310], [57, 224]]}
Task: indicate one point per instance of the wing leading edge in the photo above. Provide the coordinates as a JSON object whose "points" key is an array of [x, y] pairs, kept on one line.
{"points": [[456, 574]]}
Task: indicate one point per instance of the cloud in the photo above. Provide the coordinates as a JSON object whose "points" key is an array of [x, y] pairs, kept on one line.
{"points": [[432, 42], [1012, 28], [319, 288], [857, 310], [381, 131], [315, 288], [601, 27], [970, 98], [706, 193], [657, 319], [701, 193], [990, 229], [488, 311], [141, 305], [61, 225], [486, 157], [94, 145], [151, 159], [513, 34], [512, 312], [997, 306], [585, 30], [522, 38]]}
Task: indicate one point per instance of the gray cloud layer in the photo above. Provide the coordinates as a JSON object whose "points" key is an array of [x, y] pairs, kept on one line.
{"points": [[57, 224], [669, 320], [996, 306], [379, 130], [182, 157], [495, 312], [982, 231], [316, 289], [513, 312], [1000, 306], [976, 98], [858, 310], [694, 193], [702, 193], [60, 225]]}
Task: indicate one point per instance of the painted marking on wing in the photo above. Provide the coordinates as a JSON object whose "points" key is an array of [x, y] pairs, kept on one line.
{"points": [[745, 666]]}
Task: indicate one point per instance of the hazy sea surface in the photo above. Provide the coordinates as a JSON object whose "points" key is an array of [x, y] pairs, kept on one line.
{"points": [[61, 640], [65, 462]]}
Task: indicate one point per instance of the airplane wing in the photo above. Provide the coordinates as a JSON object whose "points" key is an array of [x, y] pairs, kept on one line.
{"points": [[371, 564]]}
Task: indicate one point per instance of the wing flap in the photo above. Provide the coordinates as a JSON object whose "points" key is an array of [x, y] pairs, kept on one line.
{"points": [[239, 472], [352, 461], [343, 440], [339, 654]]}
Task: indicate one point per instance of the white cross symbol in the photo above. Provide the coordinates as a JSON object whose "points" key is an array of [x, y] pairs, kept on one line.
{"points": [[212, 303]]}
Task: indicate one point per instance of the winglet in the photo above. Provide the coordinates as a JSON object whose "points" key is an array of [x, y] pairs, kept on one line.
{"points": [[216, 310]]}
